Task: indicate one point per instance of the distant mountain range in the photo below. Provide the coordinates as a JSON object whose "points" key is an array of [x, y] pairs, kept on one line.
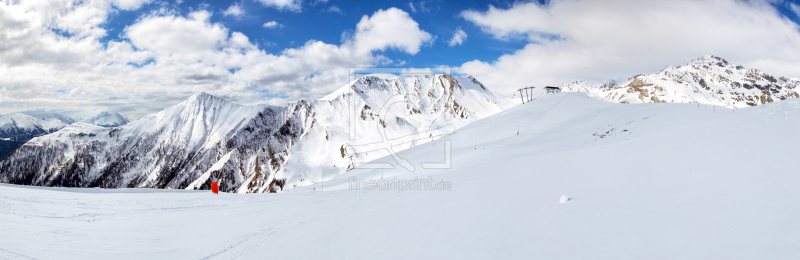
{"points": [[254, 148], [706, 80], [18, 128], [22, 125], [37, 123]]}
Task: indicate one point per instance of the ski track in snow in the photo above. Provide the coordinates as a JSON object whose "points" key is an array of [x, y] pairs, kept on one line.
{"points": [[6, 254], [249, 242]]}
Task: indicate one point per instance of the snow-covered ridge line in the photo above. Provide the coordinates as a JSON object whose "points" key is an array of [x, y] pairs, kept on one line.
{"points": [[251, 148], [106, 119], [20, 124], [707, 80], [34, 124]]}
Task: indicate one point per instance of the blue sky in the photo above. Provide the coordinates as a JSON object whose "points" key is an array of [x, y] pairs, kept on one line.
{"points": [[316, 21], [139, 56]]}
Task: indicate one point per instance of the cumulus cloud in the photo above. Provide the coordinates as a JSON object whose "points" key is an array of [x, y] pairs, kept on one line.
{"points": [[234, 10], [271, 24], [291, 5], [391, 28], [177, 34], [459, 36], [166, 57], [795, 8], [613, 39]]}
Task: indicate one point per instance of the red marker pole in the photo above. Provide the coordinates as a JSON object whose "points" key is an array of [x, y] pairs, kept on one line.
{"points": [[104, 184], [214, 188]]}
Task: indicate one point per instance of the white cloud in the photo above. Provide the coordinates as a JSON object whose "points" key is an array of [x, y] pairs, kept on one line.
{"points": [[272, 24], [335, 9], [795, 8], [83, 20], [459, 36], [291, 5], [422, 6], [391, 28], [234, 10], [169, 57], [176, 34], [601, 40]]}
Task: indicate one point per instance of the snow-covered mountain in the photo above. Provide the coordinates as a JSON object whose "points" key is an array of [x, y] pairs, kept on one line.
{"points": [[254, 148], [707, 80], [18, 128], [25, 125], [68, 117], [106, 119], [18, 124], [561, 177]]}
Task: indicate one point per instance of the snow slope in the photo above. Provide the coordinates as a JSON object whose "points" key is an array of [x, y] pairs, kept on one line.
{"points": [[255, 149], [707, 80], [643, 181]]}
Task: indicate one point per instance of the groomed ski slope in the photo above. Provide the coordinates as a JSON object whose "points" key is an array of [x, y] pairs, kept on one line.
{"points": [[665, 181]]}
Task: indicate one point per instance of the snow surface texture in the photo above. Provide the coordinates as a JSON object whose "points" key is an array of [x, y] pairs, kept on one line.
{"points": [[706, 80], [645, 181], [258, 148]]}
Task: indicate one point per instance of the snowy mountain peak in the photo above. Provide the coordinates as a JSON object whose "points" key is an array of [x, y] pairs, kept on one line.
{"points": [[476, 82], [710, 60], [47, 116], [202, 107], [714, 64], [201, 96], [106, 119], [754, 74], [202, 99], [18, 124], [707, 79]]}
